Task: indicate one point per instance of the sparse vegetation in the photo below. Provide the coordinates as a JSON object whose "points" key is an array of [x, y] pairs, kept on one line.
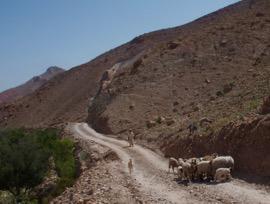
{"points": [[252, 104], [220, 123], [223, 121]]}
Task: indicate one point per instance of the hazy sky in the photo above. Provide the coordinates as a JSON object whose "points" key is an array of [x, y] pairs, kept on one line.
{"points": [[36, 34]]}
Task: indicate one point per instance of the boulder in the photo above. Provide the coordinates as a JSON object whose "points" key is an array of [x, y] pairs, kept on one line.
{"points": [[150, 123], [172, 45], [170, 121], [160, 119]]}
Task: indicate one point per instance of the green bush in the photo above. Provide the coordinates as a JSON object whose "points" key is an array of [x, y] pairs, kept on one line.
{"points": [[62, 151], [24, 160], [6, 198], [65, 164]]}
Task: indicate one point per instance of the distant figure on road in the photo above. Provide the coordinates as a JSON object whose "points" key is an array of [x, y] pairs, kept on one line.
{"points": [[130, 166], [131, 138]]}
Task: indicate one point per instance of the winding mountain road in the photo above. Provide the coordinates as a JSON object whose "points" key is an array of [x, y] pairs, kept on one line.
{"points": [[151, 174]]}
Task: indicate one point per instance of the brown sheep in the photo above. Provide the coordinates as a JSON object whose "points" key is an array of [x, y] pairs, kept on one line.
{"points": [[173, 163], [203, 169]]}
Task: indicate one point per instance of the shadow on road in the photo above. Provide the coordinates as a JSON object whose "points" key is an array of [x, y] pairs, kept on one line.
{"points": [[197, 181]]}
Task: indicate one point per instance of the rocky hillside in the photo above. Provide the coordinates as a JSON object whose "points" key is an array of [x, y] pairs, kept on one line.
{"points": [[66, 97], [30, 86], [216, 68]]}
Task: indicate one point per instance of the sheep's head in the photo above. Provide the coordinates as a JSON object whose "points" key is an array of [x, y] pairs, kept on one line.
{"points": [[215, 155], [181, 161]]}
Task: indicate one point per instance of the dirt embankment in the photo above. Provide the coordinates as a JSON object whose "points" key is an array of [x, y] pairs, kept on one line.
{"points": [[248, 142], [100, 179]]}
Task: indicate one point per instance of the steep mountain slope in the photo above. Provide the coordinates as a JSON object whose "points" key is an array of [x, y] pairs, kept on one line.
{"points": [[29, 86], [214, 67], [217, 67], [66, 97]]}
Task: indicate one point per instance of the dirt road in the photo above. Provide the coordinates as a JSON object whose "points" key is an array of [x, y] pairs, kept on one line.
{"points": [[151, 174]]}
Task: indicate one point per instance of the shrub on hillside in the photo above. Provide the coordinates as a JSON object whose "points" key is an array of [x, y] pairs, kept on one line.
{"points": [[24, 160]]}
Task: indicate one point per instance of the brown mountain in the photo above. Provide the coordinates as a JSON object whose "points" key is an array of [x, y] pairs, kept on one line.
{"points": [[66, 97], [29, 86], [216, 67]]}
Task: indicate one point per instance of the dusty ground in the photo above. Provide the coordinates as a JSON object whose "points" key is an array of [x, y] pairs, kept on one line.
{"points": [[110, 182], [101, 184]]}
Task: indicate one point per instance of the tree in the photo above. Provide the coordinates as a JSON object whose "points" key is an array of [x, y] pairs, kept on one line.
{"points": [[23, 162]]}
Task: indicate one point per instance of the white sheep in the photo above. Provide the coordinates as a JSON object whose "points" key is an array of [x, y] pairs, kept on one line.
{"points": [[209, 157], [222, 174], [180, 161], [222, 162], [173, 163], [188, 169]]}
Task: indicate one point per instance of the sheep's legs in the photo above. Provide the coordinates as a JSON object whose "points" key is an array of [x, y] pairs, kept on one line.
{"points": [[169, 169]]}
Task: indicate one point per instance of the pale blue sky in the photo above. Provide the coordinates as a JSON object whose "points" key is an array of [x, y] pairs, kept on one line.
{"points": [[36, 34]]}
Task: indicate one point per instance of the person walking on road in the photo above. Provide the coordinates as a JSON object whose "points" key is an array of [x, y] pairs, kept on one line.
{"points": [[130, 166], [131, 138]]}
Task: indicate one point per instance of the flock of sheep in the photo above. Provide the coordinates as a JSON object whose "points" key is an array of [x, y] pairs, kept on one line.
{"points": [[217, 168]]}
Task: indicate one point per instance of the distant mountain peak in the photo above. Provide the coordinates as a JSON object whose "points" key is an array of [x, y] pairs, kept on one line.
{"points": [[31, 85], [36, 78], [54, 69]]}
